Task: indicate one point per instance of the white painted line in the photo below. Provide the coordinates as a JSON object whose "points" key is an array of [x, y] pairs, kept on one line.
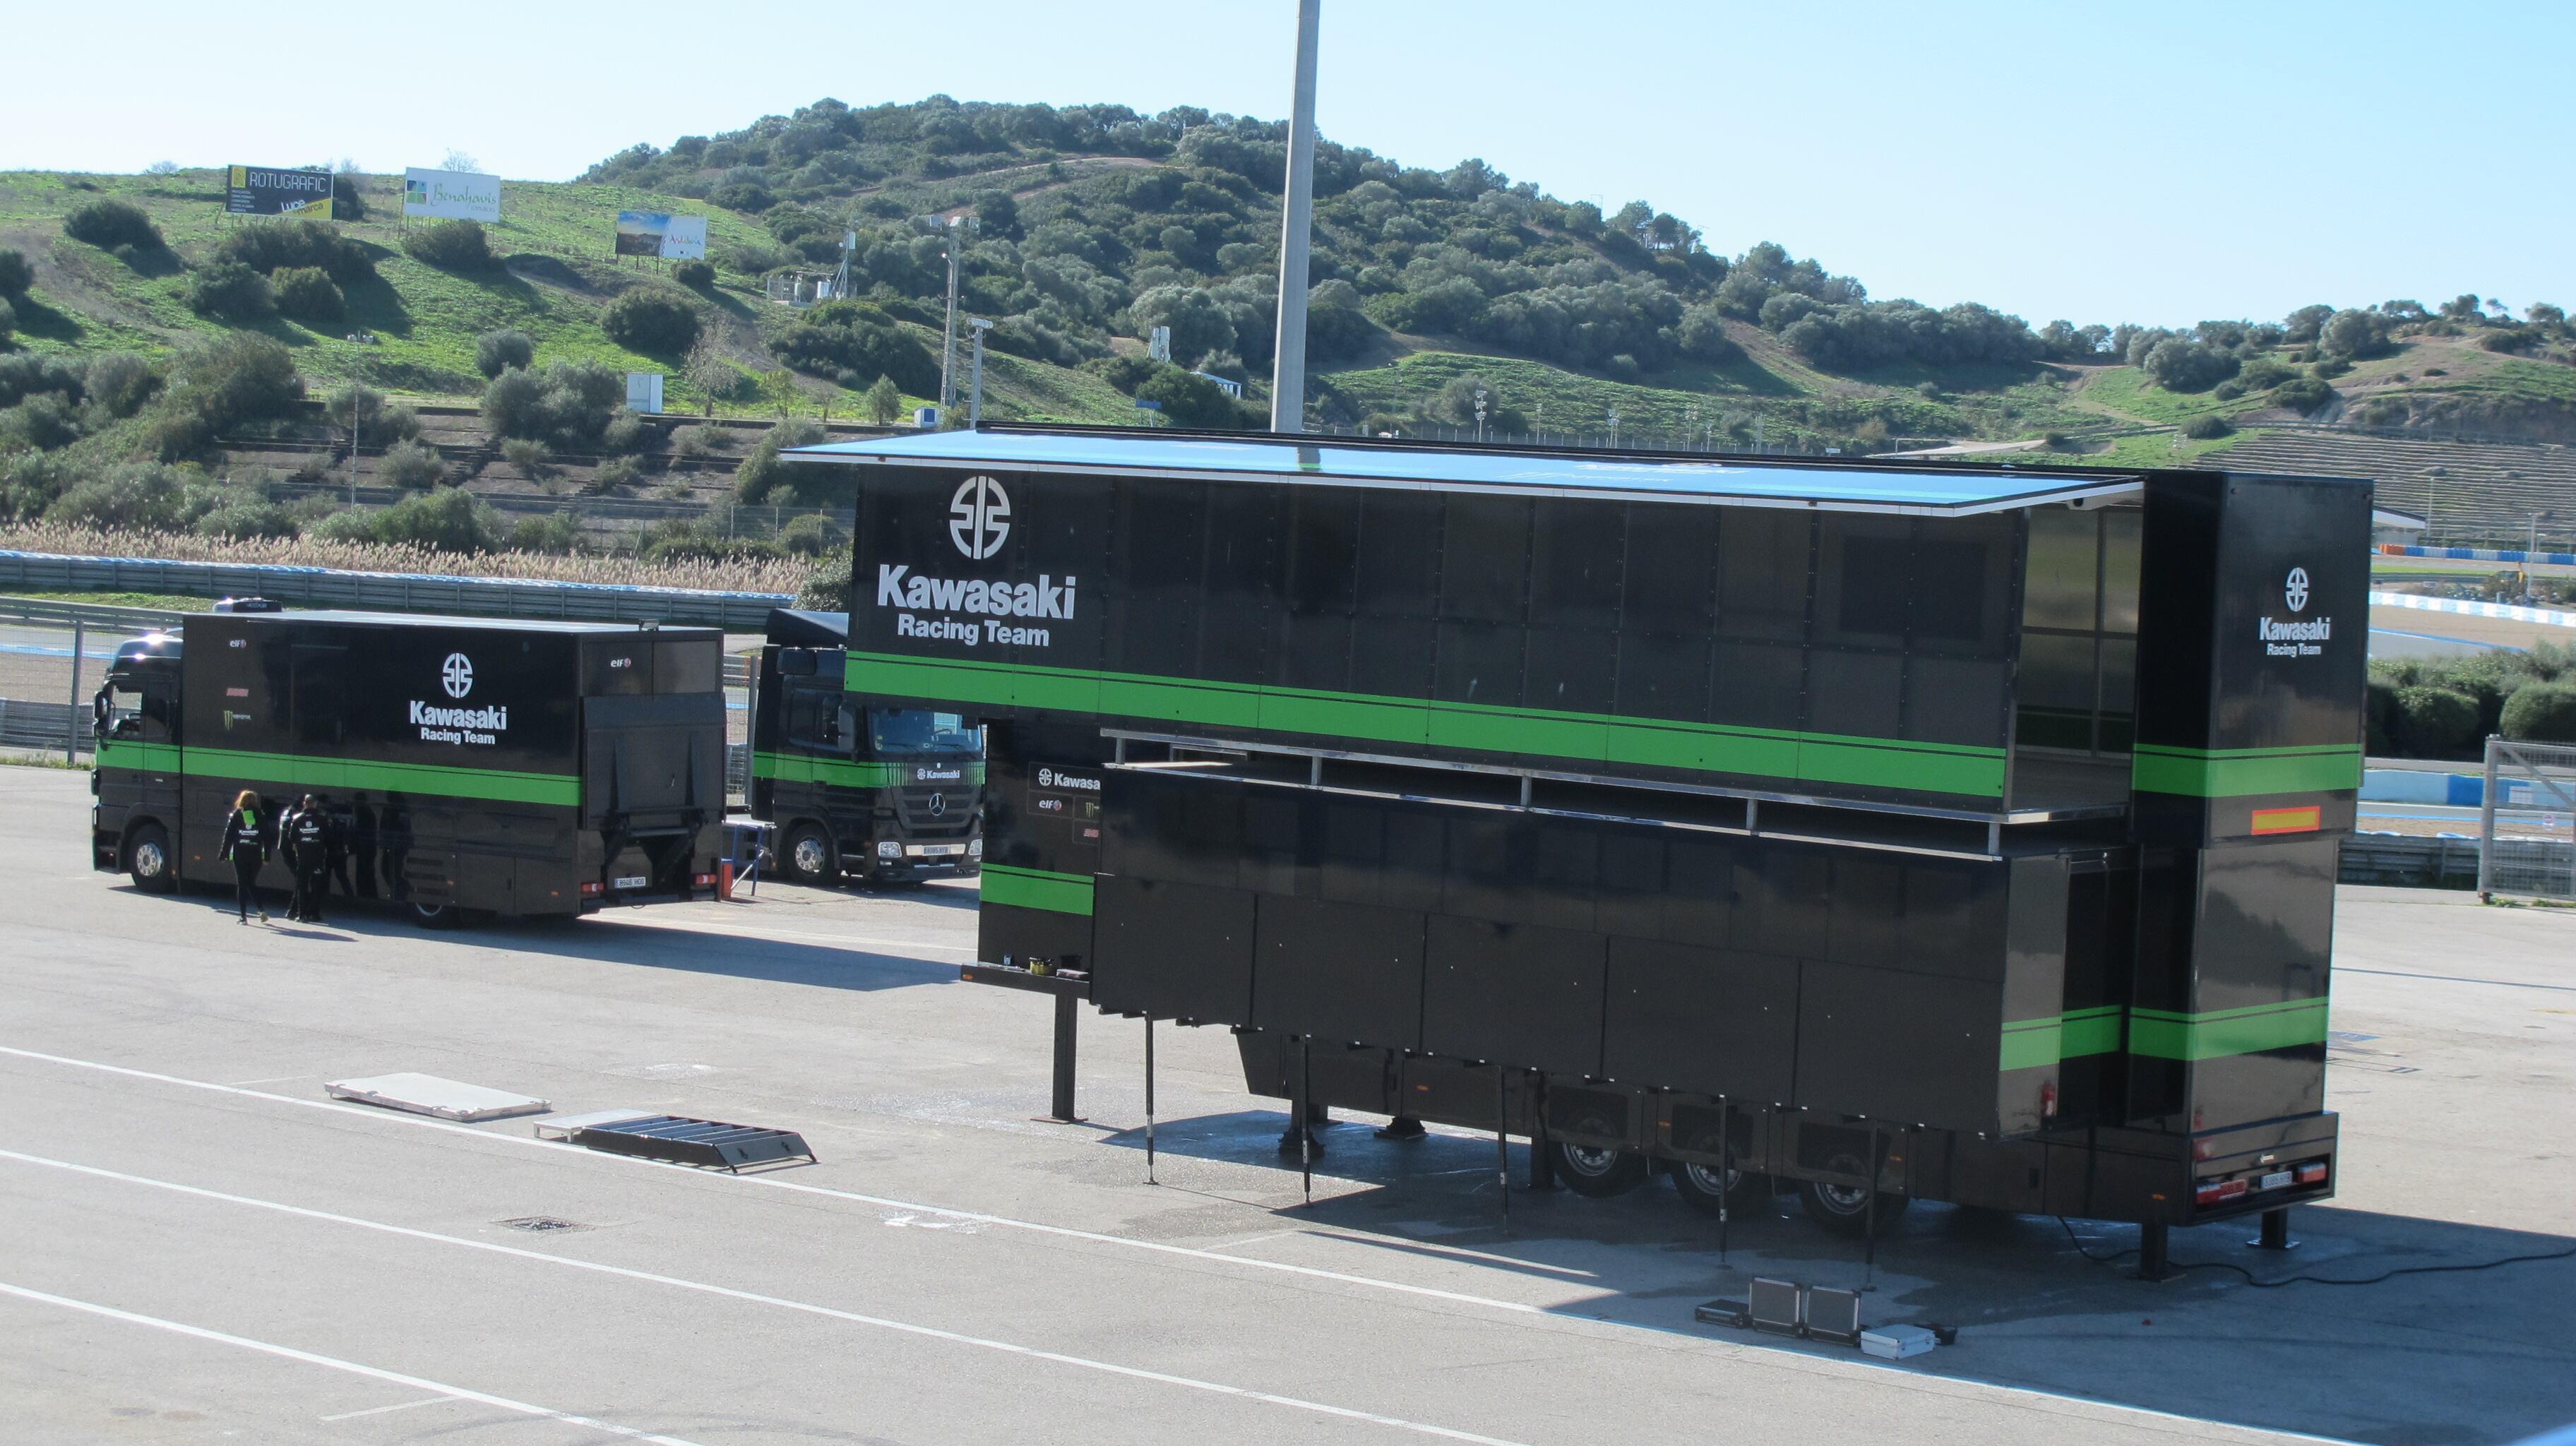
{"points": [[380, 1410], [1940, 1385], [846, 941], [1137, 1373], [453, 1393]]}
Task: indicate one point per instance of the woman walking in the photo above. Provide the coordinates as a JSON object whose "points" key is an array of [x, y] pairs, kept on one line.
{"points": [[246, 846]]}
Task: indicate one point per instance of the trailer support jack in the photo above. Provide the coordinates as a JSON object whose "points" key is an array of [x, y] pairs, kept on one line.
{"points": [[2276, 1231], [2153, 1262], [1067, 1021]]}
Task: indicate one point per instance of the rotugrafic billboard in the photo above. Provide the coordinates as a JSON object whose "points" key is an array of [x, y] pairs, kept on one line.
{"points": [[278, 191]]}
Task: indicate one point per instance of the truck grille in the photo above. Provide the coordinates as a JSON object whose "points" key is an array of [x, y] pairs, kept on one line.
{"points": [[933, 812]]}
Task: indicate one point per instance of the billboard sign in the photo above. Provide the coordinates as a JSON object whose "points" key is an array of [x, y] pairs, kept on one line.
{"points": [[452, 195], [644, 392], [278, 191], [656, 233]]}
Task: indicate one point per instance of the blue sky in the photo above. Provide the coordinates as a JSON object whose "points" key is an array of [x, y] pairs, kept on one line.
{"points": [[2102, 163]]}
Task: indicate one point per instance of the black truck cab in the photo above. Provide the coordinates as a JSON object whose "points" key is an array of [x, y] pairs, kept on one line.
{"points": [[886, 794]]}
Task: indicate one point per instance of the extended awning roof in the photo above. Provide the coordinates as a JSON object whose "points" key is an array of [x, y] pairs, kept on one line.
{"points": [[1936, 489]]}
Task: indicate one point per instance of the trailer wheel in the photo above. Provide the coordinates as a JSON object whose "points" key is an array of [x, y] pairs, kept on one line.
{"points": [[437, 916], [809, 855], [1844, 1209], [1599, 1173], [1710, 1188], [147, 860]]}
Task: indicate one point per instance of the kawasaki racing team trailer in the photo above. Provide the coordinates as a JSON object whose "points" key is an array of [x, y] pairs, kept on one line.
{"points": [[1894, 830], [891, 795], [473, 766]]}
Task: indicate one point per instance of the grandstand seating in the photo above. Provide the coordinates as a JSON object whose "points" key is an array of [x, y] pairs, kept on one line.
{"points": [[2469, 493]]}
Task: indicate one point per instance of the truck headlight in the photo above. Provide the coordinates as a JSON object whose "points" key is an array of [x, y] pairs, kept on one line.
{"points": [[974, 848], [889, 849]]}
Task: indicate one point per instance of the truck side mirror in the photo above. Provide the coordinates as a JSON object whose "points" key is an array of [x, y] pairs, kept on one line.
{"points": [[796, 663]]}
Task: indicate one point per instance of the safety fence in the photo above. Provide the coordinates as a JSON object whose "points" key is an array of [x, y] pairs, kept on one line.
{"points": [[2528, 850], [2481, 554], [394, 591], [2509, 612], [46, 726]]}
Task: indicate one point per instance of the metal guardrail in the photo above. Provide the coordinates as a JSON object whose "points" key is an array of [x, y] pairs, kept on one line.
{"points": [[104, 618], [48, 726], [395, 591]]}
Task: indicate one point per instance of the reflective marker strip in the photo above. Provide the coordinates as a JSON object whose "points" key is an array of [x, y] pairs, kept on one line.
{"points": [[2288, 820]]}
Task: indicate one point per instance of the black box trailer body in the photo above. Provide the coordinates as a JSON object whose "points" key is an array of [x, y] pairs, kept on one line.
{"points": [[512, 768], [1971, 831], [893, 795]]}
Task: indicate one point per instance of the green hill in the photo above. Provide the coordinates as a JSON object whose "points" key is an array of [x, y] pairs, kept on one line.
{"points": [[1085, 227]]}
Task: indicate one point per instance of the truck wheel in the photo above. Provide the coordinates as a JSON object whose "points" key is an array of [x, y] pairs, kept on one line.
{"points": [[1708, 1188], [437, 916], [1599, 1173], [809, 855], [1844, 1209], [147, 860]]}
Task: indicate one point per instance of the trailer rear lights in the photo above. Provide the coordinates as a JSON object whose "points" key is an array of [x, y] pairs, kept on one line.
{"points": [[702, 881], [2219, 1192], [2313, 1174], [591, 888]]}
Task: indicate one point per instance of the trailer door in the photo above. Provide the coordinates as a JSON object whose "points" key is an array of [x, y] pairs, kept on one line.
{"points": [[653, 762]]}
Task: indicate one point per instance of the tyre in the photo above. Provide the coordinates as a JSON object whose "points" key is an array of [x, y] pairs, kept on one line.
{"points": [[148, 861], [1845, 1209], [1599, 1173], [1710, 1188], [808, 855], [436, 916]]}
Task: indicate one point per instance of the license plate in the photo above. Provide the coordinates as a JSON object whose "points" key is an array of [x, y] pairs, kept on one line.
{"points": [[2274, 1181], [935, 850], [636, 882]]}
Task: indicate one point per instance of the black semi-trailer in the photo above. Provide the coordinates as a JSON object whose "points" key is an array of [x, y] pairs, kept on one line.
{"points": [[891, 795], [1897, 830], [474, 767]]}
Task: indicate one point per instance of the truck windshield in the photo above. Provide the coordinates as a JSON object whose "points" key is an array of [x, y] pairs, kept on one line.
{"points": [[918, 730]]}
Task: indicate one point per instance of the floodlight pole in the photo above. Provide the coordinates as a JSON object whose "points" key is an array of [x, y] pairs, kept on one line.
{"points": [[1296, 231], [948, 336], [975, 388]]}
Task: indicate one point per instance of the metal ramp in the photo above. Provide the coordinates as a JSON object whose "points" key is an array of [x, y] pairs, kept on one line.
{"points": [[678, 1140]]}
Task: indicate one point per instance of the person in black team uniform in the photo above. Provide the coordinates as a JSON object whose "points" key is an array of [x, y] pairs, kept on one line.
{"points": [[246, 846], [306, 836]]}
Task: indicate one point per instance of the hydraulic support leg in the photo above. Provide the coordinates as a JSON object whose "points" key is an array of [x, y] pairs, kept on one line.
{"points": [[2153, 1261], [1542, 1161], [1067, 1023], [2276, 1231]]}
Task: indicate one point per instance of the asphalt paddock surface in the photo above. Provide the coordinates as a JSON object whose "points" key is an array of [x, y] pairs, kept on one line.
{"points": [[195, 1244]]}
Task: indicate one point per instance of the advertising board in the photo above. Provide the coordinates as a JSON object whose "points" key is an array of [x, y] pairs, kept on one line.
{"points": [[644, 392], [278, 191], [657, 233], [451, 195]]}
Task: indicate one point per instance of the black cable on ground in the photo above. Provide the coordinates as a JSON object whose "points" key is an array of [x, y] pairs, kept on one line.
{"points": [[2180, 1266]]}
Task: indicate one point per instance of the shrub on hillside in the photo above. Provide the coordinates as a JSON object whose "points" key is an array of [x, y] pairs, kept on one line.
{"points": [[2351, 335], [762, 474], [144, 496], [2379, 717], [626, 434], [241, 514], [108, 224], [2179, 364], [652, 320], [451, 246], [556, 535], [447, 520], [230, 291], [811, 535], [44, 421], [827, 587], [2204, 427], [240, 378], [307, 293], [701, 441], [8, 321], [27, 374], [615, 473], [2435, 722], [271, 246], [529, 456], [1190, 400], [118, 384], [567, 404], [15, 274], [695, 275], [497, 351], [413, 465], [859, 337], [2541, 713], [2302, 395]]}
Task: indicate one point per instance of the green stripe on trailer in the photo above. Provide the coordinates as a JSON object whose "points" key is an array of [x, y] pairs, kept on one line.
{"points": [[2031, 1043], [143, 757], [2162, 1034], [2239, 772], [799, 768], [1576, 737], [493, 784], [1038, 889], [2090, 1031]]}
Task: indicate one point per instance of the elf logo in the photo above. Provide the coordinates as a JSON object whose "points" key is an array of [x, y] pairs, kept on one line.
{"points": [[2295, 593], [979, 517]]}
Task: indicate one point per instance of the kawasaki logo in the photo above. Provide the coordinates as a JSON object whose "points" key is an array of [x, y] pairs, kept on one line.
{"points": [[459, 725], [2293, 640], [900, 587], [979, 517]]}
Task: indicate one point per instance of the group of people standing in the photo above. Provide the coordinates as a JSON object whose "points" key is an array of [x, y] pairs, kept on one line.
{"points": [[307, 837]]}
